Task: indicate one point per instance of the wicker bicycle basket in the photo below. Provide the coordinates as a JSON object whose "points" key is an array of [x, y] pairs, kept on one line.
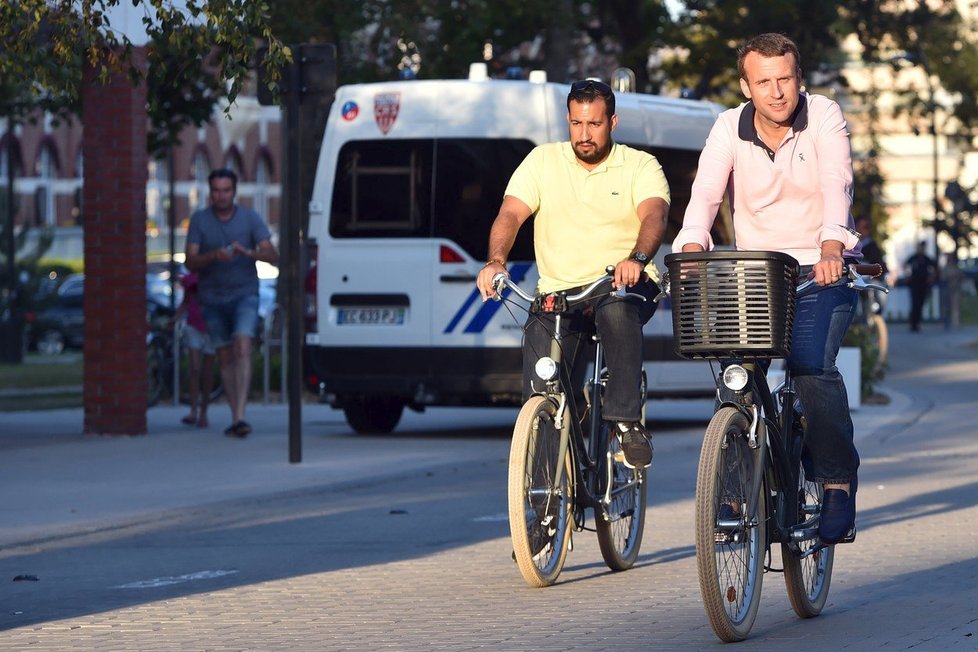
{"points": [[732, 304]]}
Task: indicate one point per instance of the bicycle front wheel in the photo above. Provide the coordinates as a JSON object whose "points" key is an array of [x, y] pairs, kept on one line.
{"points": [[807, 570], [620, 527], [730, 526], [539, 504]]}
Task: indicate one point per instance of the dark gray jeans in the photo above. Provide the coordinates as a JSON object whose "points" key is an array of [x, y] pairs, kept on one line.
{"points": [[619, 323]]}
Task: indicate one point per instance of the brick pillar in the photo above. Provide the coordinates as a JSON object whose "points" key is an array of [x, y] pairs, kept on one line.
{"points": [[114, 214]]}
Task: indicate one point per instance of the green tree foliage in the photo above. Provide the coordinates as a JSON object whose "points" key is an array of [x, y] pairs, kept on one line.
{"points": [[185, 89], [934, 38], [708, 32], [46, 40], [376, 39]]}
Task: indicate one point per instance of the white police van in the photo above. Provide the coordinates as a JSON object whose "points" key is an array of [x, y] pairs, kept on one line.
{"points": [[410, 177]]}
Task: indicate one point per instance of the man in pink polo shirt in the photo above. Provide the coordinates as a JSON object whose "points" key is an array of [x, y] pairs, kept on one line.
{"points": [[783, 156]]}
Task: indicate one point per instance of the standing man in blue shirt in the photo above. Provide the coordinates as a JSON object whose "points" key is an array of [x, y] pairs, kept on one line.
{"points": [[223, 243]]}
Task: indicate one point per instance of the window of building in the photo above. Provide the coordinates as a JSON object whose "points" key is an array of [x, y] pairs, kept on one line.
{"points": [[263, 177], [199, 192], [44, 208]]}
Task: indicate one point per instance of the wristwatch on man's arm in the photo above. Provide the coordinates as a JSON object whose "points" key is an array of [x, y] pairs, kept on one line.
{"points": [[640, 257]]}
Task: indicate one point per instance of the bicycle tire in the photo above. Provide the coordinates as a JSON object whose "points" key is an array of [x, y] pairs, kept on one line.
{"points": [[880, 334], [156, 368], [730, 561], [622, 525], [807, 575], [539, 511]]}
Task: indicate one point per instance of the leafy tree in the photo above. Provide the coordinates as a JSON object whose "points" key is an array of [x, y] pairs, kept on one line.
{"points": [[568, 38], [81, 31], [185, 89], [707, 33], [934, 38]]}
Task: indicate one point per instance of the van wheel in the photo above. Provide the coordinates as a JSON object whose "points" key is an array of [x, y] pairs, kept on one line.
{"points": [[371, 415]]}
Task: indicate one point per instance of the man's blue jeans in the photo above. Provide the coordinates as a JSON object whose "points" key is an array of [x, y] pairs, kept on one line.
{"points": [[821, 321], [619, 323]]}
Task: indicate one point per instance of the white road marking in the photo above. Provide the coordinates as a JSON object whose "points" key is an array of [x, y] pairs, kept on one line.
{"points": [[492, 518], [179, 579]]}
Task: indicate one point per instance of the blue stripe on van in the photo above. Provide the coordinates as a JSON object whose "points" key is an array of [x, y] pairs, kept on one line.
{"points": [[517, 272]]}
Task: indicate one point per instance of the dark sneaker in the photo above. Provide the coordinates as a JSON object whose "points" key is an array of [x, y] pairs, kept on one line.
{"points": [[837, 521], [636, 445]]}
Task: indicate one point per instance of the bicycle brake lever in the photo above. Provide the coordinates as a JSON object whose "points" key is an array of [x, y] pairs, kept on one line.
{"points": [[497, 285], [622, 294], [663, 291], [860, 283]]}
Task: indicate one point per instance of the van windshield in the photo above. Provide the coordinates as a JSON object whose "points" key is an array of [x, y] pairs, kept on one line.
{"points": [[426, 188]]}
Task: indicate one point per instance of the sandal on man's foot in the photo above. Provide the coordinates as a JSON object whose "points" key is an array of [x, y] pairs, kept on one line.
{"points": [[235, 430]]}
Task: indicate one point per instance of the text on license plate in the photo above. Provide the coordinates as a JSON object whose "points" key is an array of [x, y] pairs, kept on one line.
{"points": [[370, 316]]}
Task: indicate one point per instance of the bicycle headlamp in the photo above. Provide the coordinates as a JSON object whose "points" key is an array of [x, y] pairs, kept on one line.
{"points": [[546, 368], [735, 377]]}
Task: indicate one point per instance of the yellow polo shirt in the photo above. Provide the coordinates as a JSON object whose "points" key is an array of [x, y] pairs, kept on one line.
{"points": [[585, 220]]}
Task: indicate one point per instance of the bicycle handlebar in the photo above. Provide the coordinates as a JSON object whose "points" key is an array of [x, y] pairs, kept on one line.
{"points": [[855, 273], [501, 280]]}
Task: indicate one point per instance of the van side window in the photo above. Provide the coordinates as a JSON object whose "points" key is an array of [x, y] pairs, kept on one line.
{"points": [[422, 188], [679, 166], [382, 189], [470, 178]]}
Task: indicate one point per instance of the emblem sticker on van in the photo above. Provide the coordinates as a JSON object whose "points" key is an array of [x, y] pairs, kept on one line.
{"points": [[386, 106], [350, 111]]}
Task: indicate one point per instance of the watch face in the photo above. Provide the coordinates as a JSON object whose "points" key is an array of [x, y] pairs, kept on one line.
{"points": [[640, 257]]}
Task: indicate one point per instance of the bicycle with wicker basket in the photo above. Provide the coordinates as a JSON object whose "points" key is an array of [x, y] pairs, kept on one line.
{"points": [[736, 309]]}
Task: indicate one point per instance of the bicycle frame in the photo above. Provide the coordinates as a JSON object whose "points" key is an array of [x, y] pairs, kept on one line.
{"points": [[589, 463], [777, 444], [590, 466]]}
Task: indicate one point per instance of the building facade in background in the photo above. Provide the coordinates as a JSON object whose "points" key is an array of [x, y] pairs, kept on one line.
{"points": [[48, 169]]}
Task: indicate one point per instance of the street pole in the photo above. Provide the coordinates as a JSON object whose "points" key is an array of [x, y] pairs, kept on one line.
{"points": [[12, 348]]}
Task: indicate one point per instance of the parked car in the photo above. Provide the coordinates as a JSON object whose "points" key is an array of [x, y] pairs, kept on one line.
{"points": [[61, 325]]}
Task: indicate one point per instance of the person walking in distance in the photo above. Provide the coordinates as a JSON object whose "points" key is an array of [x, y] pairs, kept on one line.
{"points": [[597, 203], [784, 157], [923, 274], [223, 242], [872, 253], [200, 352]]}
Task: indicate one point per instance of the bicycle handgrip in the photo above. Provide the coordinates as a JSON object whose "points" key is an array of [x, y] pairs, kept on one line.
{"points": [[871, 270]]}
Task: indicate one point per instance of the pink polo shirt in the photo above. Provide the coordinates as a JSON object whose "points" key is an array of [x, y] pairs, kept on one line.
{"points": [[790, 200]]}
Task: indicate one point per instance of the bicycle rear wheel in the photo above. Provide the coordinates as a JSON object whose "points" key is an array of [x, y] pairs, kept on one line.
{"points": [[620, 529], [879, 333], [807, 574], [730, 527], [622, 525], [539, 505]]}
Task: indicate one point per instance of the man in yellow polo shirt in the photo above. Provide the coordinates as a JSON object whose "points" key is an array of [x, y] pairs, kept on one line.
{"points": [[597, 203]]}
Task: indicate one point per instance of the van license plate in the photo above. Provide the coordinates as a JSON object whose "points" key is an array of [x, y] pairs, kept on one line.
{"points": [[391, 316]]}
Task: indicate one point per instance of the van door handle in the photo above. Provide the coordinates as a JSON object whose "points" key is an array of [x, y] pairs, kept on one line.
{"points": [[468, 278]]}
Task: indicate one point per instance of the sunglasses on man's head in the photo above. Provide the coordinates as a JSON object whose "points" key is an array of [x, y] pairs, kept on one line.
{"points": [[590, 85]]}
